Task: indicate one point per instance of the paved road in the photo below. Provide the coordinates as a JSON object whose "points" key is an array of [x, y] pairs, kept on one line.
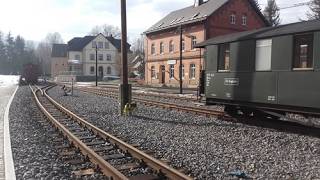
{"points": [[8, 84]]}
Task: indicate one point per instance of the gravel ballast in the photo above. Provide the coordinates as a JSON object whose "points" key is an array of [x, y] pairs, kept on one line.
{"points": [[207, 147], [34, 154]]}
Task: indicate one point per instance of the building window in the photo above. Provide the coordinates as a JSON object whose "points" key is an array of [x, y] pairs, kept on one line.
{"points": [[182, 71], [224, 57], [161, 48], [303, 51], [263, 55], [193, 42], [244, 20], [94, 44], [100, 45], [171, 71], [192, 71], [106, 45], [108, 70], [92, 57], [77, 57], [171, 46], [92, 70], [183, 45], [153, 49], [153, 72], [232, 19], [100, 57], [108, 57]]}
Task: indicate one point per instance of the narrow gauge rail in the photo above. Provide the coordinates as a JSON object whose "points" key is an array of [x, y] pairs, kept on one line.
{"points": [[115, 89], [101, 148], [196, 110], [292, 126]]}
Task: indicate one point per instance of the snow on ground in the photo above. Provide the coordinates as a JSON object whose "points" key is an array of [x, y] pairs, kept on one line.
{"points": [[8, 80]]}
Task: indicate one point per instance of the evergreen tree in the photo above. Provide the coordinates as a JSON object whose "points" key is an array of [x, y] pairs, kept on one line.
{"points": [[9, 47], [2, 54], [272, 13], [315, 10]]}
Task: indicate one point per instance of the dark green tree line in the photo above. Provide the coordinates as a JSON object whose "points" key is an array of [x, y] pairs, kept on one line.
{"points": [[14, 54]]}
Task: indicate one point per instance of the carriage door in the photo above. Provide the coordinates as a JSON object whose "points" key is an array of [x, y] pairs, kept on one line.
{"points": [[163, 74]]}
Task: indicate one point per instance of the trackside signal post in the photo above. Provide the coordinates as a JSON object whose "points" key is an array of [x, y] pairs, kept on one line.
{"points": [[125, 87]]}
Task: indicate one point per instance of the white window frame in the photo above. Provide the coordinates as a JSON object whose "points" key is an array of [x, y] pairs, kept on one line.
{"points": [[92, 72], [232, 19], [171, 69], [94, 44], [153, 48], [171, 46], [100, 57], [244, 20], [107, 45], [182, 71], [161, 47], [109, 58], [183, 45], [100, 45], [193, 42], [92, 55], [192, 71], [263, 55]]}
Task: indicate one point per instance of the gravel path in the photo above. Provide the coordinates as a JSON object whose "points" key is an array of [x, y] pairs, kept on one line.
{"points": [[207, 147], [34, 155]]}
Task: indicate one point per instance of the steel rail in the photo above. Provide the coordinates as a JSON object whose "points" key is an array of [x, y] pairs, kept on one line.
{"points": [[196, 110], [106, 168], [141, 94], [155, 164]]}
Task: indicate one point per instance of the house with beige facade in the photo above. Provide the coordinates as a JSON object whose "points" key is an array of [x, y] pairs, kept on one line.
{"points": [[81, 54]]}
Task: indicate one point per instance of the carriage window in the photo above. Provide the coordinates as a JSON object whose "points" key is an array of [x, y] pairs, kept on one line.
{"points": [[303, 51], [263, 55], [224, 58]]}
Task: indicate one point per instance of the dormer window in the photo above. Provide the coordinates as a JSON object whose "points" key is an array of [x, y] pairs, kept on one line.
{"points": [[232, 19]]}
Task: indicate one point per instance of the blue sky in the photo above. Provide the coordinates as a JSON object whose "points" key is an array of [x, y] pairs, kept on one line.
{"points": [[71, 18]]}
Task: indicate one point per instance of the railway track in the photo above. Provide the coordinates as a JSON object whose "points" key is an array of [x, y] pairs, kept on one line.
{"points": [[111, 156], [291, 125], [167, 105]]}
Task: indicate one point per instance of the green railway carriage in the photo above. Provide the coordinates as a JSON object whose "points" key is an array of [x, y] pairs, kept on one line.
{"points": [[269, 68]]}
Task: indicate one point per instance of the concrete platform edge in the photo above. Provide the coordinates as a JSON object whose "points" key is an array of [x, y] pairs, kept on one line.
{"points": [[8, 160]]}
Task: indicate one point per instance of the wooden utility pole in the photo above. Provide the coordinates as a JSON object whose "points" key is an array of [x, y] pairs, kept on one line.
{"points": [[96, 65], [125, 88]]}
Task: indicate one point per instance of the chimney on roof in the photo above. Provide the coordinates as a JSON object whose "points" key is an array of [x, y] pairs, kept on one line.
{"points": [[198, 3]]}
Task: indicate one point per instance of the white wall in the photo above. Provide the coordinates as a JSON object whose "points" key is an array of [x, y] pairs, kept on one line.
{"points": [[87, 63]]}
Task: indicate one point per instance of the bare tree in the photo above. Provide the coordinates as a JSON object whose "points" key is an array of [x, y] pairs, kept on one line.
{"points": [[44, 49], [272, 13], [315, 10], [107, 30]]}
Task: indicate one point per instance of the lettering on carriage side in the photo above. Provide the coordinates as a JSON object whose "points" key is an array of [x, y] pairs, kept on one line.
{"points": [[228, 95], [208, 79], [271, 98], [231, 81]]}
